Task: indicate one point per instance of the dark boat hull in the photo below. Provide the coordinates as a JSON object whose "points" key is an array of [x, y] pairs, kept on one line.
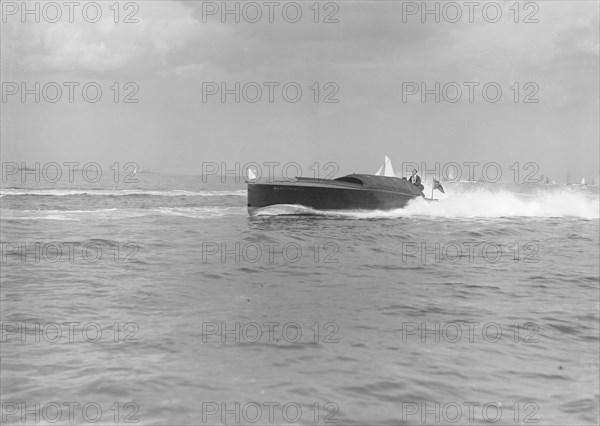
{"points": [[332, 195]]}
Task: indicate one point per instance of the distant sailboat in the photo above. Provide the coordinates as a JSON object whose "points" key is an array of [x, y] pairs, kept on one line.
{"points": [[386, 169], [451, 177], [582, 181]]}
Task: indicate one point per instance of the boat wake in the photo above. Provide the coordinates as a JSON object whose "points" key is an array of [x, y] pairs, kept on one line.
{"points": [[490, 203], [459, 201], [119, 214], [287, 210], [478, 203]]}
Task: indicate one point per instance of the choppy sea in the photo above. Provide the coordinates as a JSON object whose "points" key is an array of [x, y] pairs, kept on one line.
{"points": [[164, 302]]}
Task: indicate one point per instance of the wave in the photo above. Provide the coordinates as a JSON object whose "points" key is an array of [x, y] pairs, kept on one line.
{"points": [[200, 212], [456, 203], [118, 193], [117, 214], [485, 202], [479, 203]]}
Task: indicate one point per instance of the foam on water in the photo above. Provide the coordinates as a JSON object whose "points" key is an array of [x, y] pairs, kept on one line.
{"points": [[117, 214], [73, 215], [483, 202], [459, 201], [471, 203], [200, 212]]}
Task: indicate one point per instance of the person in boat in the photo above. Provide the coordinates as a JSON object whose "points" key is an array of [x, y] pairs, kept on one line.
{"points": [[414, 178]]}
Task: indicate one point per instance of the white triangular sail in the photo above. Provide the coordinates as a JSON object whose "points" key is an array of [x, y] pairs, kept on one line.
{"points": [[451, 177], [251, 174], [388, 170], [583, 181]]}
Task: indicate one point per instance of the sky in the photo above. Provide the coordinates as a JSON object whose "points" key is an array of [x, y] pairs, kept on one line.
{"points": [[361, 67]]}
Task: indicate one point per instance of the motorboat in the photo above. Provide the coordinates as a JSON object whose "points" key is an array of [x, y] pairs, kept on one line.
{"points": [[379, 191]]}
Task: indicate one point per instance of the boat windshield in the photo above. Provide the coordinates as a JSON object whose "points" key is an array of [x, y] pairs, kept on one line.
{"points": [[350, 179]]}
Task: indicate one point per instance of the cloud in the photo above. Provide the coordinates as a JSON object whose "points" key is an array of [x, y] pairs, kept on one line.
{"points": [[369, 53], [98, 48]]}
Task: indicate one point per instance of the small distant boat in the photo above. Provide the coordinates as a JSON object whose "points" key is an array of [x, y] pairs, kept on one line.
{"points": [[583, 181], [381, 191]]}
